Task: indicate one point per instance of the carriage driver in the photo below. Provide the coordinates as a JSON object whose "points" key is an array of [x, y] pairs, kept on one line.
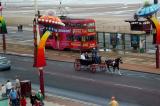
{"points": [[95, 57]]}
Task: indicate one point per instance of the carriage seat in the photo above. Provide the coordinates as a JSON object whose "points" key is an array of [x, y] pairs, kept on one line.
{"points": [[85, 62]]}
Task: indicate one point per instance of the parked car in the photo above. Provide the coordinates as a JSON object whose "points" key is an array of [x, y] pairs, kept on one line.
{"points": [[5, 64]]}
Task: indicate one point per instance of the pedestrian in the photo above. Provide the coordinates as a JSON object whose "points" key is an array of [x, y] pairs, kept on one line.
{"points": [[32, 99], [3, 90], [13, 97], [113, 102], [23, 101], [8, 87], [40, 97], [18, 87]]}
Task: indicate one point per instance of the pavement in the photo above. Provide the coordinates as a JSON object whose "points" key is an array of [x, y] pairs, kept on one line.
{"points": [[142, 62]]}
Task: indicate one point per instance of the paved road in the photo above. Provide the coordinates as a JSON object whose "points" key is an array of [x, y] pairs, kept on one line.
{"points": [[25, 37], [137, 88]]}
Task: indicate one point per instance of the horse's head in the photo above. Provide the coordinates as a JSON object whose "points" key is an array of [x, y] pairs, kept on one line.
{"points": [[119, 60]]}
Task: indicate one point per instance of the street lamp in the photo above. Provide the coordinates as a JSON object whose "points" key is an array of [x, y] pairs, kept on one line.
{"points": [[36, 43], [157, 48], [2, 31]]}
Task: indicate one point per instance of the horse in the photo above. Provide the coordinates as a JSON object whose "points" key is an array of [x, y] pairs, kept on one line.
{"points": [[114, 63]]}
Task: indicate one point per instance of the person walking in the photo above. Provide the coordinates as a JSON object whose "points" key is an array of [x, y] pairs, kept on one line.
{"points": [[8, 87], [113, 102], [13, 97]]}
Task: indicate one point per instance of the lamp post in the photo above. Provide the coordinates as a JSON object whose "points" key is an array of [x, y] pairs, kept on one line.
{"points": [[157, 47], [3, 34], [36, 43]]}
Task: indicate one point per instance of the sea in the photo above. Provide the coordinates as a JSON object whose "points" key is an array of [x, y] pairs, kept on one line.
{"points": [[75, 2]]}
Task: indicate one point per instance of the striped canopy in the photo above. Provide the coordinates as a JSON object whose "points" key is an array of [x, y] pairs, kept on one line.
{"points": [[50, 20], [148, 10]]}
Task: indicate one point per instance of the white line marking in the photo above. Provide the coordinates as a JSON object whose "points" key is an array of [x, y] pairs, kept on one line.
{"points": [[12, 32], [123, 85], [92, 80], [157, 78], [25, 41]]}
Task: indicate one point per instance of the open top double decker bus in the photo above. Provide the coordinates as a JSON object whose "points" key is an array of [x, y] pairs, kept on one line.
{"points": [[77, 34]]}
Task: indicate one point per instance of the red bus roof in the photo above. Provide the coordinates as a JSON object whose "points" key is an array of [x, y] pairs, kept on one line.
{"points": [[76, 20]]}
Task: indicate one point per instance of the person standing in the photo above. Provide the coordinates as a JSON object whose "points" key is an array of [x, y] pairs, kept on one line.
{"points": [[113, 102], [13, 97], [17, 84], [32, 99], [8, 87], [18, 87], [40, 97], [3, 89], [23, 101]]}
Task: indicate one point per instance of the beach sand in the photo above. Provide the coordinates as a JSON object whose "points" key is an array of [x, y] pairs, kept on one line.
{"points": [[109, 18]]}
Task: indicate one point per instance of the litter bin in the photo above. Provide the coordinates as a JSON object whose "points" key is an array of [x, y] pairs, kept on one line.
{"points": [[25, 88]]}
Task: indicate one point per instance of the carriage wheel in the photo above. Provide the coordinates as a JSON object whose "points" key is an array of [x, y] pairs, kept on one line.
{"points": [[77, 66], [93, 68], [102, 67]]}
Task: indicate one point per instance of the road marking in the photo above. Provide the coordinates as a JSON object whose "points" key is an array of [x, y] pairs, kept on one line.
{"points": [[157, 78], [123, 85], [12, 32], [93, 80], [25, 41]]}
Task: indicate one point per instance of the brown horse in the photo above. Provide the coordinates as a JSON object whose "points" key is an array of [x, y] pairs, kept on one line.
{"points": [[114, 63]]}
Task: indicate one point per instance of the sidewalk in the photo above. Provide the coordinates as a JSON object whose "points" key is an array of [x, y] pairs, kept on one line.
{"points": [[51, 100]]}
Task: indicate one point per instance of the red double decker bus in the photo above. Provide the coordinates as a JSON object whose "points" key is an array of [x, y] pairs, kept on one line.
{"points": [[77, 34]]}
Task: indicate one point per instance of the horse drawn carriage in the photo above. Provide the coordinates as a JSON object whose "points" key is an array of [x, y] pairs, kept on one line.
{"points": [[88, 64], [92, 66]]}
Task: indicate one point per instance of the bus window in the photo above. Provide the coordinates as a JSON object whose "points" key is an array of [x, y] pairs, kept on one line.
{"points": [[91, 30], [70, 38], [90, 38], [77, 38], [83, 38], [79, 25], [90, 24]]}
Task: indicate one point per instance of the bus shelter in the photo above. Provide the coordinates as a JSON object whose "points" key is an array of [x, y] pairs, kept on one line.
{"points": [[133, 41]]}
